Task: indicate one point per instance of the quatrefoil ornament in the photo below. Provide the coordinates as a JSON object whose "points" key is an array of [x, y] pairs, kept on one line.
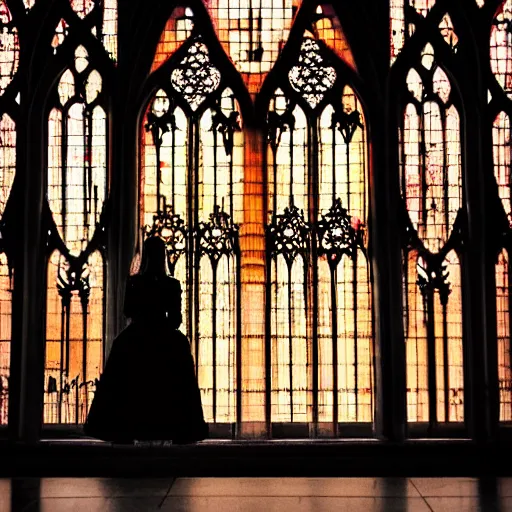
{"points": [[312, 77], [195, 77]]}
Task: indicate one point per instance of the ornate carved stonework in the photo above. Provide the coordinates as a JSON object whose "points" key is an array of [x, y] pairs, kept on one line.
{"points": [[195, 77], [312, 77], [289, 235]]}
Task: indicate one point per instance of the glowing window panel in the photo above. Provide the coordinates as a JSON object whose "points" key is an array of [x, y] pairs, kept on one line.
{"points": [[74, 338], [503, 335], [77, 174], [109, 27], [432, 188], [501, 48], [214, 182], [403, 14], [327, 27], [312, 77], [176, 31], [397, 27], [7, 158], [345, 339], [448, 32], [9, 47], [253, 33], [501, 150], [82, 7], [5, 337], [61, 31], [195, 77]]}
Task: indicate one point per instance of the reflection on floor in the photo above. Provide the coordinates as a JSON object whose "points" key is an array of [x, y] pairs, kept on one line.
{"points": [[255, 494]]}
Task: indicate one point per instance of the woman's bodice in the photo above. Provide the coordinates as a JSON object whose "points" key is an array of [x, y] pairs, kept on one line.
{"points": [[153, 298]]}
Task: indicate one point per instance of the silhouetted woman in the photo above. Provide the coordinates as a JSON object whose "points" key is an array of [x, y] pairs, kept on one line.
{"points": [[148, 390]]}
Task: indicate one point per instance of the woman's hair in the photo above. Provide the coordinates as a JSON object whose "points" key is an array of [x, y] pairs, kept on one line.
{"points": [[154, 256]]}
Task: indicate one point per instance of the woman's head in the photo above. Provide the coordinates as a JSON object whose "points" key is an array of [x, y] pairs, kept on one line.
{"points": [[154, 257]]}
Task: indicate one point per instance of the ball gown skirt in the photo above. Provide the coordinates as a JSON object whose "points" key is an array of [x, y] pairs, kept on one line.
{"points": [[148, 390]]}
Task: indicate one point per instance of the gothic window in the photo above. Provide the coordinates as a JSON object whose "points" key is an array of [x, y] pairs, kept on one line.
{"points": [[77, 187], [9, 57], [319, 292], [501, 109], [432, 187], [192, 196]]}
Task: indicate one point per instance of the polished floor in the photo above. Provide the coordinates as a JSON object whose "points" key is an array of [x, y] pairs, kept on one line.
{"points": [[255, 494]]}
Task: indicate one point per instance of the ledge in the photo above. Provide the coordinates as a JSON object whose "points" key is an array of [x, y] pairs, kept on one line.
{"points": [[347, 457]]}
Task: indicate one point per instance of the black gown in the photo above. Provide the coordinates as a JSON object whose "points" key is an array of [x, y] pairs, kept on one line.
{"points": [[149, 390]]}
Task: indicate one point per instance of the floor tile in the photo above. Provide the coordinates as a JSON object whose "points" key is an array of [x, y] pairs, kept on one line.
{"points": [[446, 487], [94, 505], [462, 504], [103, 487], [5, 495], [295, 504], [67, 505], [357, 487]]}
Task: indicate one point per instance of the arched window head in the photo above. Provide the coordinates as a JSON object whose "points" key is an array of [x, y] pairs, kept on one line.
{"points": [[432, 188]]}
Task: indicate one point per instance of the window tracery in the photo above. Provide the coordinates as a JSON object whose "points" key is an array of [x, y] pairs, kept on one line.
{"points": [[432, 187], [321, 350], [500, 106], [77, 188], [9, 62], [193, 154]]}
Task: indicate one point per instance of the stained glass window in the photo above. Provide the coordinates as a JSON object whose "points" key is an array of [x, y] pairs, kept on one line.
{"points": [[191, 195], [431, 184], [77, 186], [9, 61], [321, 338], [501, 106]]}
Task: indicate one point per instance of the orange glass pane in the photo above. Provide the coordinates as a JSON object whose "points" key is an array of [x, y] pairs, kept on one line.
{"points": [[7, 158], [327, 27], [253, 33], [503, 332], [74, 340], [177, 30], [5, 337]]}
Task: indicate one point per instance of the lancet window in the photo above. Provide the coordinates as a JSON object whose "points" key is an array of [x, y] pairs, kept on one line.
{"points": [[500, 106], [77, 189], [318, 292], [432, 188], [192, 196]]}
